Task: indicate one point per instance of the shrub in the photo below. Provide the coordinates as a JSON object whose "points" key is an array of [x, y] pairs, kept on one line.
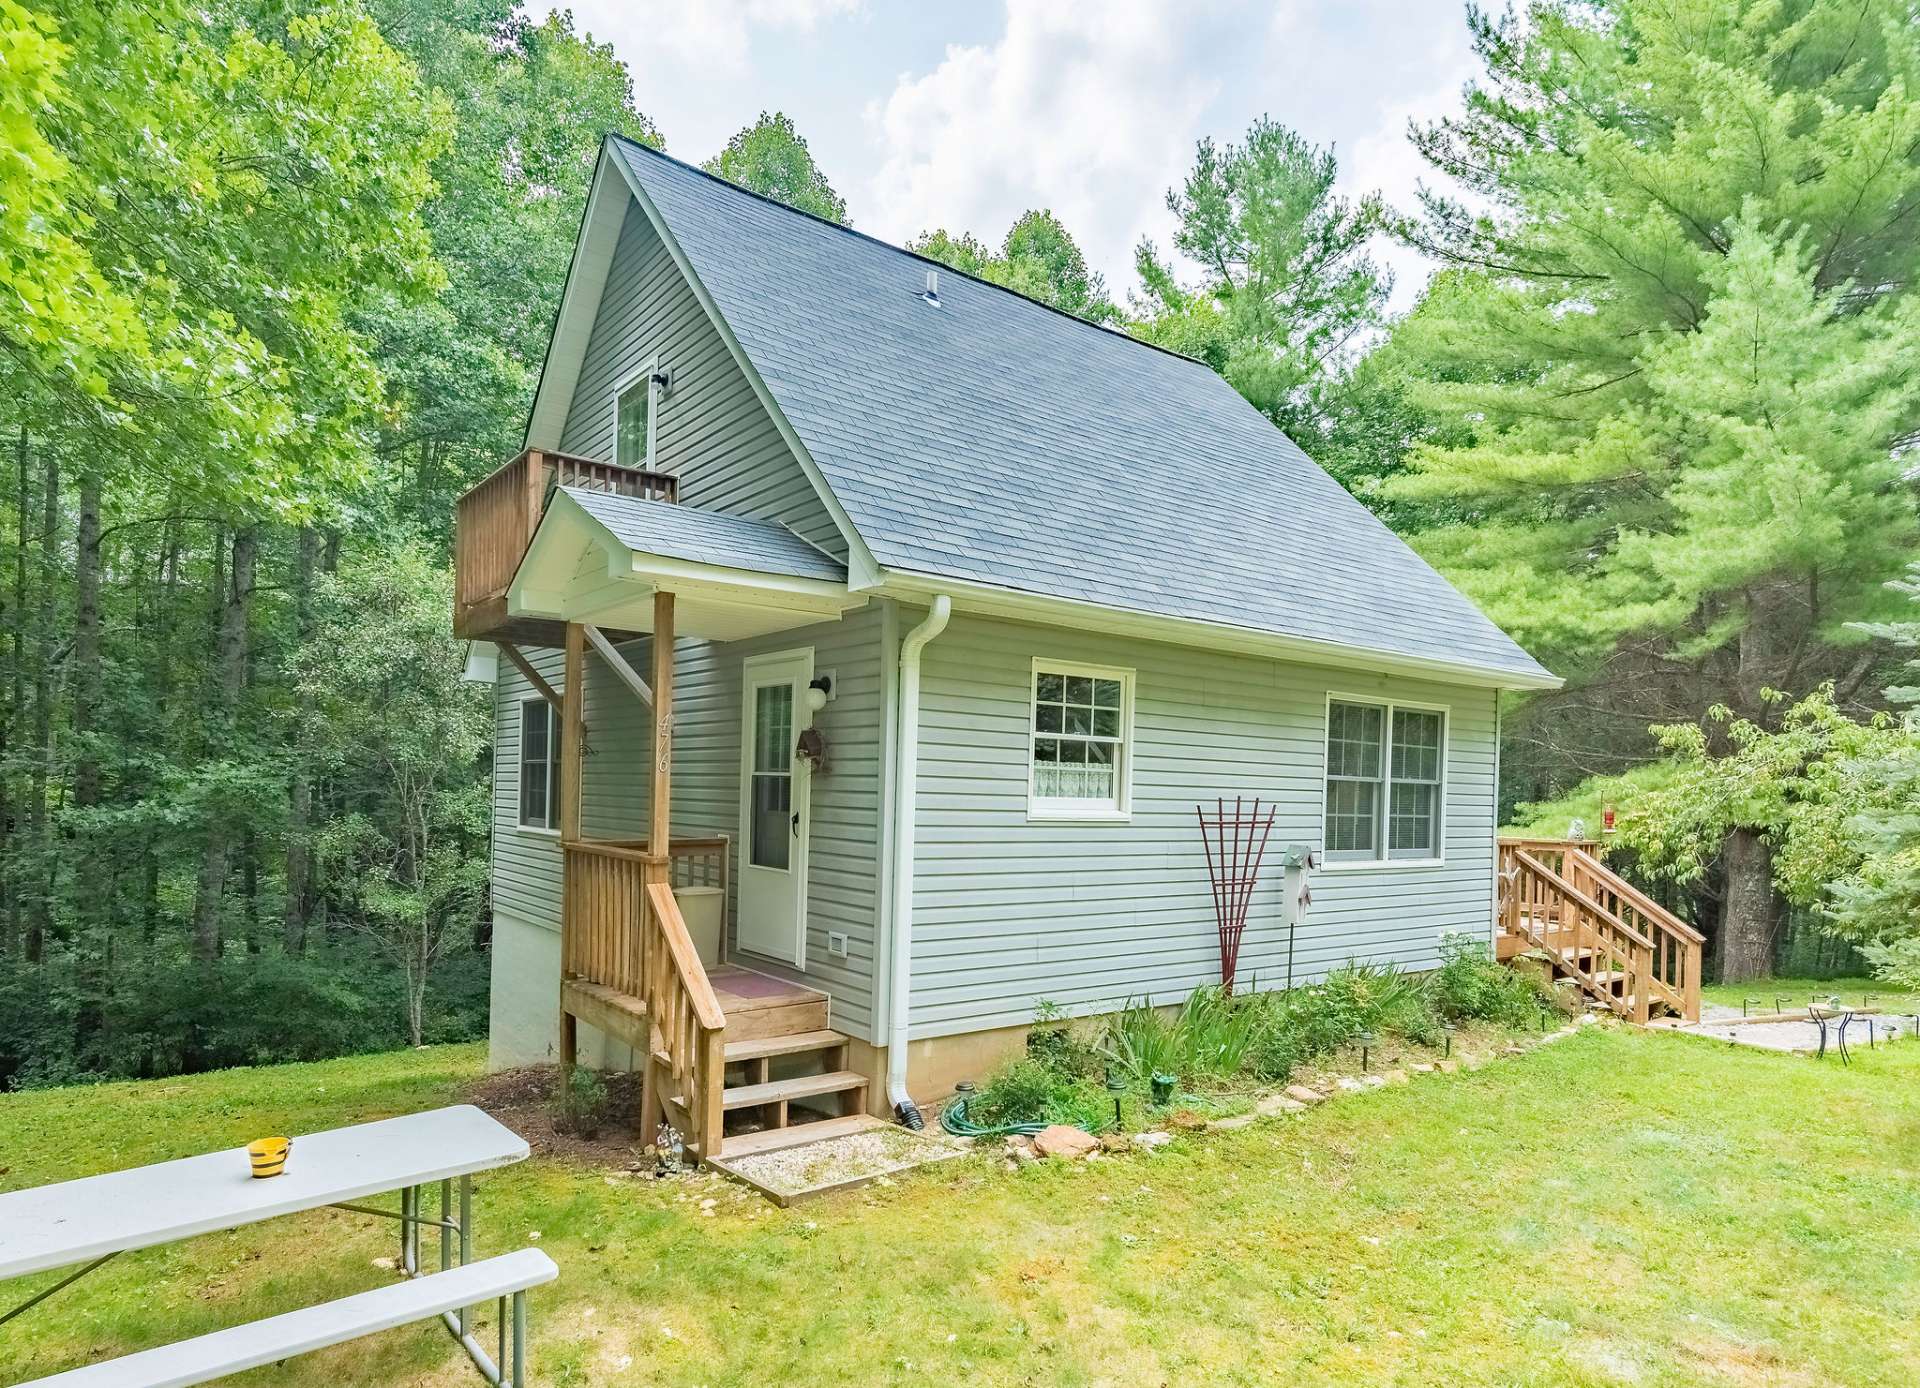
{"points": [[580, 1103], [1056, 1042], [1470, 985], [1029, 1090]]}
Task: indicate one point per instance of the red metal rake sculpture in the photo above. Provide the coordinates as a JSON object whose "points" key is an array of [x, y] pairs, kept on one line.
{"points": [[1235, 841]]}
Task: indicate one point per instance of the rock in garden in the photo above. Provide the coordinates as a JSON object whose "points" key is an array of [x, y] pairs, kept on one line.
{"points": [[1446, 1067], [1116, 1142], [1222, 1125], [1422, 1069], [1373, 1082], [1397, 1077], [1186, 1120], [1349, 1085], [1149, 1141], [1300, 1094], [1275, 1104], [1062, 1141]]}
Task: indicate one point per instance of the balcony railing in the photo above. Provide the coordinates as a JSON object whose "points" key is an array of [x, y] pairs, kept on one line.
{"points": [[495, 521]]}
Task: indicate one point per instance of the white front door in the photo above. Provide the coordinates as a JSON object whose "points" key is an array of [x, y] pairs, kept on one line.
{"points": [[773, 799]]}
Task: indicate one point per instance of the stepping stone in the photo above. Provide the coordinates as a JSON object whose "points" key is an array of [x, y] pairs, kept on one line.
{"points": [[1300, 1094]]}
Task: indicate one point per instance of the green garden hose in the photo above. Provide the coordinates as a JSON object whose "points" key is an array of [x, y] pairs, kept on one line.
{"points": [[954, 1119]]}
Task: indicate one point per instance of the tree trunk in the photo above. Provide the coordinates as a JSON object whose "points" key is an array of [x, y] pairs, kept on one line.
{"points": [[40, 825], [299, 864], [230, 679], [1751, 918], [89, 871], [9, 901]]}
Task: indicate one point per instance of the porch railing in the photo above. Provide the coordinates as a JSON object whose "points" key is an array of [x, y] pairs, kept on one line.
{"points": [[622, 929], [1674, 969], [688, 1056], [1599, 928], [494, 522]]}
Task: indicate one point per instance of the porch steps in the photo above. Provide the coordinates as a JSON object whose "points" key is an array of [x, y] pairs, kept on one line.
{"points": [[779, 1139], [799, 1087], [767, 1047]]}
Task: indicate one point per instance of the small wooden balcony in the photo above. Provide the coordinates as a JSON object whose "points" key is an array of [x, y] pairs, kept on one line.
{"points": [[494, 523]]}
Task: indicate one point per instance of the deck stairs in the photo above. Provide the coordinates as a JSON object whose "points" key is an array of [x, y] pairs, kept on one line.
{"points": [[1623, 950], [787, 1079], [786, 1076]]}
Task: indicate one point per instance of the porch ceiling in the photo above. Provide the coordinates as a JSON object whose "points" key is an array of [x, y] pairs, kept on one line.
{"points": [[600, 558]]}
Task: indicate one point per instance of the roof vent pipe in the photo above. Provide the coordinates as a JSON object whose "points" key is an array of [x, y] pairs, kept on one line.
{"points": [[932, 294], [908, 770]]}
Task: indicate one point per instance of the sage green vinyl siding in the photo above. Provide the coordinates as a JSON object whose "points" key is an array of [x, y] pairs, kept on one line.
{"points": [[844, 866], [1010, 910], [710, 430]]}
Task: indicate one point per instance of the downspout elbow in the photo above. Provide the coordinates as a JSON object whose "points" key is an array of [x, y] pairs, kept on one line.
{"points": [[939, 612]]}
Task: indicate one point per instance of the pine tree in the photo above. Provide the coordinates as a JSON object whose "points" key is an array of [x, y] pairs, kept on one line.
{"points": [[1678, 337]]}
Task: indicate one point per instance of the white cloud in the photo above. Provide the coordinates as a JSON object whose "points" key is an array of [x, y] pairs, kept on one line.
{"points": [[1085, 107], [715, 34]]}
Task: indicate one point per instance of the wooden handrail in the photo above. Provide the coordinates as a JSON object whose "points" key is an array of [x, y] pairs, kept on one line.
{"points": [[1642, 903], [1580, 898], [1584, 938], [687, 1048], [1572, 895], [691, 972]]}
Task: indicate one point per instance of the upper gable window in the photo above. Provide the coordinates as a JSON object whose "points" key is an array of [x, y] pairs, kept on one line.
{"points": [[1082, 725], [634, 411]]}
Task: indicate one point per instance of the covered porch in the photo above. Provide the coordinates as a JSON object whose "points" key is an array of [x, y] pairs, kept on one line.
{"points": [[606, 557]]}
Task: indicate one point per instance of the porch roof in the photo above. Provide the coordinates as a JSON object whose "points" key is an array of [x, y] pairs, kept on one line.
{"points": [[599, 557], [674, 531]]}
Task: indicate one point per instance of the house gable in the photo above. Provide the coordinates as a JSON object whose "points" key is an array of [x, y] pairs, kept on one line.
{"points": [[711, 430]]}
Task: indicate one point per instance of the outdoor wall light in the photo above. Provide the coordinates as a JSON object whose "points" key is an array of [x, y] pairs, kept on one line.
{"points": [[819, 691], [661, 379]]}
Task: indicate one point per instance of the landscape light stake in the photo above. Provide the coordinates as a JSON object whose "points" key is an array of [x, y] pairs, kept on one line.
{"points": [[1446, 1030], [1365, 1039], [1234, 843]]}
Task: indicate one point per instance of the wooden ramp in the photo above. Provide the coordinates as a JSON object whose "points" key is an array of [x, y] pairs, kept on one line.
{"points": [[1620, 946]]}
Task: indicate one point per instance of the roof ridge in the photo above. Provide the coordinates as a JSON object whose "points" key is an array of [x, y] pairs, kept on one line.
{"points": [[926, 260]]}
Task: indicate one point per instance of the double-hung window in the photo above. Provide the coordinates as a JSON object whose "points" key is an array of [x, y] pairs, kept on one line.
{"points": [[634, 410], [539, 765], [1385, 771], [1082, 718]]}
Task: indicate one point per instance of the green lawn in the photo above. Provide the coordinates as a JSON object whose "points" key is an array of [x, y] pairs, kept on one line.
{"points": [[1796, 992], [1618, 1207]]}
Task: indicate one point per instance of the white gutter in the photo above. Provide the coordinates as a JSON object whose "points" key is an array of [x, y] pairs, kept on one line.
{"points": [[907, 770]]}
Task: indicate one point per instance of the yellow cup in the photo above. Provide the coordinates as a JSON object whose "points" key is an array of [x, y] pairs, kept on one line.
{"points": [[269, 1155]]}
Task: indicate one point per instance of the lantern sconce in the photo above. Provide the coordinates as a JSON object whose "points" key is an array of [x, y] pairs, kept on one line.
{"points": [[819, 691]]}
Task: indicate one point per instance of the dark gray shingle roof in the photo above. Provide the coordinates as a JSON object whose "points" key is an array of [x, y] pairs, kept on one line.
{"points": [[707, 537], [995, 440]]}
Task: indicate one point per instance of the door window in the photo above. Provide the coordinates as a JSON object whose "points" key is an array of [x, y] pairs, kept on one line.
{"points": [[770, 828]]}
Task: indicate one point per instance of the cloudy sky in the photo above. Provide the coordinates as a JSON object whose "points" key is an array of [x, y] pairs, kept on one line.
{"points": [[963, 116]]}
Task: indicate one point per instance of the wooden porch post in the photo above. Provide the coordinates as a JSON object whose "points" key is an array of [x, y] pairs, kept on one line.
{"points": [[572, 734], [659, 837], [662, 828]]}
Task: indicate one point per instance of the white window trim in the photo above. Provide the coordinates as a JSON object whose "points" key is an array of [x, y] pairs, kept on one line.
{"points": [[621, 386], [1384, 863], [552, 828], [1041, 811]]}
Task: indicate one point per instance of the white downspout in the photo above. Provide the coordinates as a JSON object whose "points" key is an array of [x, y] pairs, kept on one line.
{"points": [[908, 771]]}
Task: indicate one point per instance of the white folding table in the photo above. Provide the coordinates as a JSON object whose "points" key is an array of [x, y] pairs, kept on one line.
{"points": [[88, 1221]]}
